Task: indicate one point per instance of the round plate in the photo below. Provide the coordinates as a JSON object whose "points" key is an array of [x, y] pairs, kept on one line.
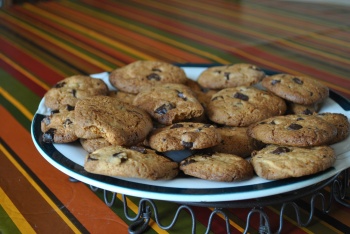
{"points": [[69, 158]]}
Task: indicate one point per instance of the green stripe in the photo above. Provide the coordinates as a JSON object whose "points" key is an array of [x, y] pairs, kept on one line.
{"points": [[20, 92], [7, 226]]}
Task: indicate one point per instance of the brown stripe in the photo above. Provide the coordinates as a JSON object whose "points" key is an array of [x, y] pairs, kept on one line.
{"points": [[28, 201]]}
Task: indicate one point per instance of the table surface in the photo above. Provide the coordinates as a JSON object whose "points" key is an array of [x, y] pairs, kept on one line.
{"points": [[45, 41]]}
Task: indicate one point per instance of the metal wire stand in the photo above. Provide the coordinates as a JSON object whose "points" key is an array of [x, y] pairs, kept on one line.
{"points": [[339, 185]]}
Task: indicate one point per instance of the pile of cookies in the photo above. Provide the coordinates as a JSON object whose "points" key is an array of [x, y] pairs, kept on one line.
{"points": [[235, 120]]}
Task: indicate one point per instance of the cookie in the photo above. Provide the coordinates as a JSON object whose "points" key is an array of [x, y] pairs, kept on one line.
{"points": [[184, 135], [202, 94], [279, 162], [298, 89], [293, 130], [117, 122], [91, 145], [217, 167], [59, 127], [169, 103], [340, 121], [235, 140], [71, 89], [229, 76], [244, 105], [139, 75], [296, 109], [133, 162], [122, 96]]}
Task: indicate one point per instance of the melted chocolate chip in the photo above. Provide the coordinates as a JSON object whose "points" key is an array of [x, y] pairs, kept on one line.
{"points": [[55, 112], [74, 92], [153, 76], [241, 96], [121, 155], [177, 125], [163, 109], [281, 150], [187, 145], [227, 75], [294, 127], [139, 149], [274, 82], [48, 136], [300, 118], [297, 81], [60, 85], [273, 122]]}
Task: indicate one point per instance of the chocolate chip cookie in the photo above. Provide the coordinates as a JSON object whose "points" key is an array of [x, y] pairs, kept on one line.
{"points": [[118, 122], [217, 167], [91, 145], [228, 76], [71, 89], [139, 75], [184, 135], [59, 127], [244, 105], [298, 89], [293, 130], [340, 121], [279, 162], [133, 162], [169, 103]]}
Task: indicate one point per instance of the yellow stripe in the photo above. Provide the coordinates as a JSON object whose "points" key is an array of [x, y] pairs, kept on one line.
{"points": [[164, 39], [135, 209], [24, 72], [16, 103], [15, 215], [233, 224], [40, 191]]}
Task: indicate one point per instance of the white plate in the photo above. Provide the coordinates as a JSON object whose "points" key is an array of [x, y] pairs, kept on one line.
{"points": [[69, 159]]}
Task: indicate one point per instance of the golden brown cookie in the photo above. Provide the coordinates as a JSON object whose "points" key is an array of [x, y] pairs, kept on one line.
{"points": [[244, 105], [279, 162], [340, 121], [117, 122], [133, 162], [139, 75], [70, 90], [293, 130], [184, 135], [217, 167]]}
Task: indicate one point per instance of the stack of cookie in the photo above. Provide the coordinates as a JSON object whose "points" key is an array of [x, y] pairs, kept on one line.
{"points": [[223, 118]]}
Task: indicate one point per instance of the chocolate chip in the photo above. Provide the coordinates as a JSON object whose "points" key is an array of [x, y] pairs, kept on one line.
{"points": [[177, 125], [241, 96], [139, 149], [181, 95], [74, 92], [48, 136], [227, 75], [294, 127], [55, 112], [300, 118], [156, 70], [60, 85], [163, 109], [274, 82], [273, 122], [307, 112], [153, 76], [281, 150], [91, 159], [70, 108], [297, 81], [187, 145], [121, 155], [217, 71]]}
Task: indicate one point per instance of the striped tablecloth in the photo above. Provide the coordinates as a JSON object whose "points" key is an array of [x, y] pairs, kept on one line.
{"points": [[43, 42]]}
